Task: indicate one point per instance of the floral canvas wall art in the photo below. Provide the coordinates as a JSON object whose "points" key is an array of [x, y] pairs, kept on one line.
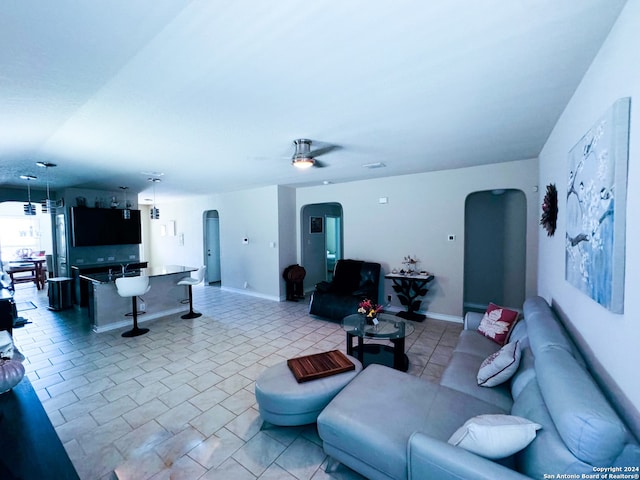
{"points": [[596, 209]]}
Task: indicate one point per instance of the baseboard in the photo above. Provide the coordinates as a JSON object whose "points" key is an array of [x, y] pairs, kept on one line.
{"points": [[434, 315], [252, 293]]}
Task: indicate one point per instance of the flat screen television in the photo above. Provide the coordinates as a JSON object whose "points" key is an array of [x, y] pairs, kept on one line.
{"points": [[104, 226]]}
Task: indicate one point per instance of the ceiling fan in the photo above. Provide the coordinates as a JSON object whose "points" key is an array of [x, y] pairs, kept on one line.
{"points": [[304, 158]]}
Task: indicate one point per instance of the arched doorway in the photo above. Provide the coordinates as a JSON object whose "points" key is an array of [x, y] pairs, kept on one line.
{"points": [[495, 249]]}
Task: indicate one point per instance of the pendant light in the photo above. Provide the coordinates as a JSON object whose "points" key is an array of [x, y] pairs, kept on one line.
{"points": [[154, 213], [126, 213], [47, 204], [29, 208]]}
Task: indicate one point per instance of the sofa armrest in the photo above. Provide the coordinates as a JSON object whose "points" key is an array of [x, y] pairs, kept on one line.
{"points": [[431, 458], [472, 320]]}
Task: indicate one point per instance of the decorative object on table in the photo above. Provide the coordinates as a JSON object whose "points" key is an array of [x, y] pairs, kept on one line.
{"points": [[11, 373], [409, 289], [550, 210], [370, 310], [596, 209], [411, 264], [319, 365]]}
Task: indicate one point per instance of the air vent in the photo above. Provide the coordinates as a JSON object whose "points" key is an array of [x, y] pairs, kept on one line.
{"points": [[374, 165]]}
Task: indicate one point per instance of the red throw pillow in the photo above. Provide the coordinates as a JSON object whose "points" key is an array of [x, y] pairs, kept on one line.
{"points": [[497, 323]]}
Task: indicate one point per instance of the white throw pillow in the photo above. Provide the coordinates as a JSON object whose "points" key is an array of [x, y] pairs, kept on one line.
{"points": [[500, 366], [495, 436]]}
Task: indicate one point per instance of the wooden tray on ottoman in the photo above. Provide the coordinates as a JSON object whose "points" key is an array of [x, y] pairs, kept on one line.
{"points": [[319, 365]]}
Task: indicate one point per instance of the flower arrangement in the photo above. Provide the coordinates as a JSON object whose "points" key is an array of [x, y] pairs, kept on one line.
{"points": [[368, 308]]}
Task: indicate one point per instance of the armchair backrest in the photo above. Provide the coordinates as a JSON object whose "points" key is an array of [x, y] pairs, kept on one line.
{"points": [[357, 275], [346, 276]]}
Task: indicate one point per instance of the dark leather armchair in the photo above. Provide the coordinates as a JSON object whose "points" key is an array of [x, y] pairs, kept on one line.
{"points": [[353, 281]]}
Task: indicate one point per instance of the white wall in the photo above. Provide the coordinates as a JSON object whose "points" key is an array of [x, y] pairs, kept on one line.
{"points": [[254, 214], [613, 74], [422, 210]]}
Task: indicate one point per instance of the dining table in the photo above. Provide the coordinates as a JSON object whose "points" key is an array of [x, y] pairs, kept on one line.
{"points": [[33, 265]]}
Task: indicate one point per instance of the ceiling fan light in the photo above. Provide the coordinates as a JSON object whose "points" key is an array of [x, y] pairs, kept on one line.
{"points": [[303, 163]]}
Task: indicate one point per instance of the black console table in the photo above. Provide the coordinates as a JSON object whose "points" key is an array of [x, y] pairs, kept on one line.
{"points": [[409, 288], [31, 449]]}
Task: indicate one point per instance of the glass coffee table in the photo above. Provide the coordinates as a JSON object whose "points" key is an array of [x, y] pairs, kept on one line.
{"points": [[389, 327]]}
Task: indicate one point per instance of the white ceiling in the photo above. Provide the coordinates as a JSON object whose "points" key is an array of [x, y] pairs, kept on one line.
{"points": [[212, 93]]}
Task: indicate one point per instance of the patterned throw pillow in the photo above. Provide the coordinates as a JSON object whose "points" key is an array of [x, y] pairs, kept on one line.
{"points": [[499, 367], [497, 323]]}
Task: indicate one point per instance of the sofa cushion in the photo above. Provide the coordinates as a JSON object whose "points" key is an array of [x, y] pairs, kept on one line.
{"points": [[500, 366], [584, 419], [495, 436], [471, 342], [524, 374], [461, 375], [497, 323], [547, 452], [545, 330], [519, 333], [381, 408]]}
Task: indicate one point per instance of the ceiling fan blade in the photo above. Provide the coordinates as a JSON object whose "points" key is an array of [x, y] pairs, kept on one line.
{"points": [[323, 150], [318, 164]]}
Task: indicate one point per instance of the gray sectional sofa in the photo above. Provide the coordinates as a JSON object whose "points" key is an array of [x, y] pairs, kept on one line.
{"points": [[391, 425]]}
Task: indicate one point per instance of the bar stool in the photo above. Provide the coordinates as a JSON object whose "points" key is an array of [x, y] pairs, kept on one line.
{"points": [[133, 287], [191, 281]]}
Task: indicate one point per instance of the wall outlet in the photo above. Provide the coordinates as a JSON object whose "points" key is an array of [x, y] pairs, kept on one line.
{"points": [[111, 259], [143, 306], [101, 259], [246, 284], [451, 237], [388, 298]]}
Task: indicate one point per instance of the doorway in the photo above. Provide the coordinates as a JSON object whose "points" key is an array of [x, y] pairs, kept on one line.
{"points": [[495, 249], [322, 240], [212, 246]]}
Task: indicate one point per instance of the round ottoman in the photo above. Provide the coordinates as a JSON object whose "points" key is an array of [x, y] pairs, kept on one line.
{"points": [[283, 401]]}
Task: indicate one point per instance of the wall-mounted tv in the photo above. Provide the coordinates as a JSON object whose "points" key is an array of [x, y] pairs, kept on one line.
{"points": [[104, 226]]}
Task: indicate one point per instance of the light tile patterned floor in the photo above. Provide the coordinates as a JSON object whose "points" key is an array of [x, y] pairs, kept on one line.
{"points": [[179, 401]]}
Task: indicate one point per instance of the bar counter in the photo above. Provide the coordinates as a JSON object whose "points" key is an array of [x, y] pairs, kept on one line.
{"points": [[108, 310]]}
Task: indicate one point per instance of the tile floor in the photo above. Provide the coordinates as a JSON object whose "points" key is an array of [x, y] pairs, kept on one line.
{"points": [[179, 401]]}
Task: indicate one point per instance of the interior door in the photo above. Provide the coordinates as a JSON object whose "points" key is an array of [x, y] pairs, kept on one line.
{"points": [[213, 273]]}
